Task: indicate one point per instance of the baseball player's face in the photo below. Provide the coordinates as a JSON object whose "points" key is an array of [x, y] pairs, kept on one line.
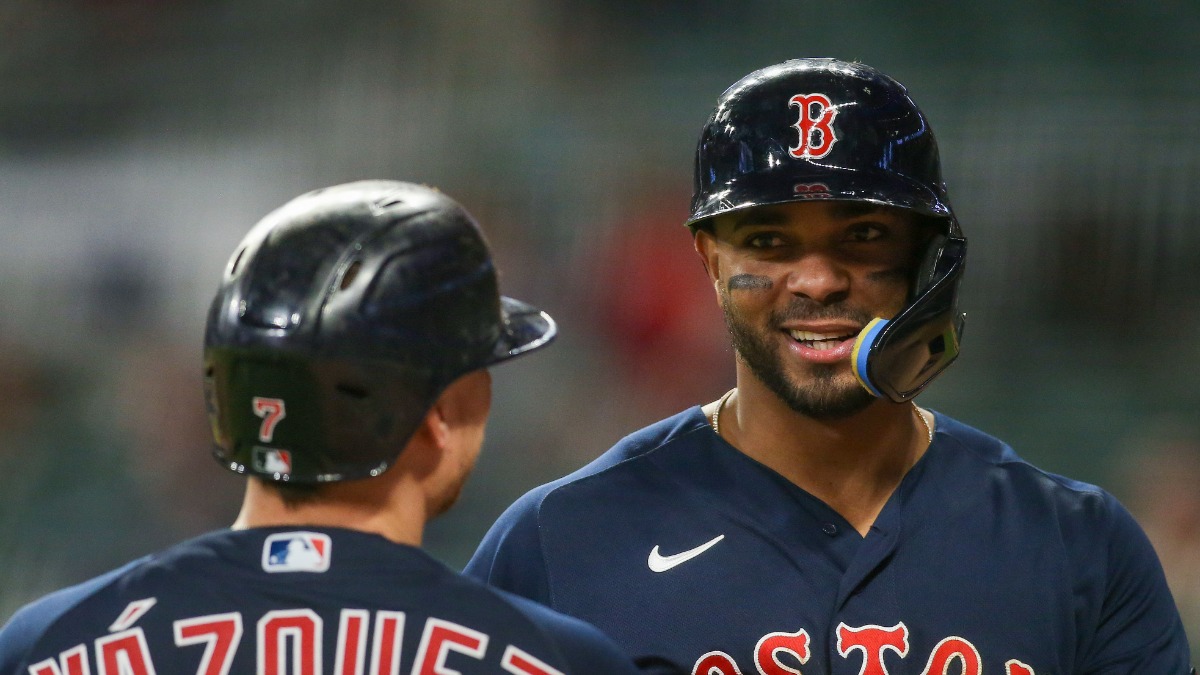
{"points": [[797, 282]]}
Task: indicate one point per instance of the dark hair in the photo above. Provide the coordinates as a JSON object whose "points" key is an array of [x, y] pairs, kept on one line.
{"points": [[294, 494]]}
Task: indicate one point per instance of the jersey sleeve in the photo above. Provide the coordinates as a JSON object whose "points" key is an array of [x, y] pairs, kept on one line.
{"points": [[586, 650], [510, 557], [21, 635], [1138, 629], [16, 639]]}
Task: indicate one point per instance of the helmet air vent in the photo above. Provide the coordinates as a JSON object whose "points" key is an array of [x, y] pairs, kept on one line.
{"points": [[349, 275], [237, 262], [352, 391]]}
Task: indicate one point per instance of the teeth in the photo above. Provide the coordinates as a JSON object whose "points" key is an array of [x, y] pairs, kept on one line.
{"points": [[818, 341], [809, 336]]}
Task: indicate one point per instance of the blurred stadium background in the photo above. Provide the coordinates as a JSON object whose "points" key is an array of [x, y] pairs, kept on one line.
{"points": [[140, 139]]}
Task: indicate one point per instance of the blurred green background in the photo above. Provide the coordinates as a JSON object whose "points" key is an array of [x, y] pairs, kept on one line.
{"points": [[140, 139]]}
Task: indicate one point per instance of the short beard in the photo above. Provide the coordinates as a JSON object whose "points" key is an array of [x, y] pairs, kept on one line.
{"points": [[821, 400]]}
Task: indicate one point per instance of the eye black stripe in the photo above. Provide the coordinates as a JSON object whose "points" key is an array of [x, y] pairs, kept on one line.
{"points": [[748, 282]]}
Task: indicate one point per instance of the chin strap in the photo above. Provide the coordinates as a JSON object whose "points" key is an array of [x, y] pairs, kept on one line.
{"points": [[862, 349]]}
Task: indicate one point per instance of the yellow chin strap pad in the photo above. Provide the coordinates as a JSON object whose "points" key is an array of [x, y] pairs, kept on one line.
{"points": [[862, 350]]}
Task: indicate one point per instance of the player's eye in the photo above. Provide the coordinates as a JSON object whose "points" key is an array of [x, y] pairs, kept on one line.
{"points": [[866, 232], [763, 240]]}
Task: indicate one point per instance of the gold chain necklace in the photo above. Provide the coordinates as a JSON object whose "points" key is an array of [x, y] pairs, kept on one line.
{"points": [[716, 417], [928, 429]]}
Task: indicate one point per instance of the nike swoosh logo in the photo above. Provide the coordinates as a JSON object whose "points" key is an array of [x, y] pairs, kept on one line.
{"points": [[661, 563]]}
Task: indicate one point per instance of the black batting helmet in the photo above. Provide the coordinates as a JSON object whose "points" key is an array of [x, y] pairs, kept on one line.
{"points": [[341, 318], [811, 129]]}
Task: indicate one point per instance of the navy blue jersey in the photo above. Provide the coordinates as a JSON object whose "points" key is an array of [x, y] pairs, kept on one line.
{"points": [[675, 543], [304, 602]]}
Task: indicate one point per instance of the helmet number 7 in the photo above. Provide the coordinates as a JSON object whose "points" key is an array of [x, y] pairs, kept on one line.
{"points": [[271, 411]]}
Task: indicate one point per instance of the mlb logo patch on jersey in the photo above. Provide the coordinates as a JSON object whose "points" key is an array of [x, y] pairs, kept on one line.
{"points": [[297, 552]]}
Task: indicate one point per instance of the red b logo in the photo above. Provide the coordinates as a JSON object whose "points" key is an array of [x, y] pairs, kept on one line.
{"points": [[814, 124]]}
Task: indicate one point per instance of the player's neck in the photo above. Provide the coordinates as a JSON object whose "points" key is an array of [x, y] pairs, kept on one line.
{"points": [[852, 464], [336, 506]]}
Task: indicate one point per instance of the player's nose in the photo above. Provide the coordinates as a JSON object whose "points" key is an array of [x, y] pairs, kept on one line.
{"points": [[818, 277]]}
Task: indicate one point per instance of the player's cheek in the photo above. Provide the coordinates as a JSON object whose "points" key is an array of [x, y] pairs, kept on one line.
{"points": [[884, 291]]}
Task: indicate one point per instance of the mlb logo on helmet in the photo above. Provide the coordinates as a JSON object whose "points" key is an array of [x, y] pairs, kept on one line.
{"points": [[272, 460], [297, 552]]}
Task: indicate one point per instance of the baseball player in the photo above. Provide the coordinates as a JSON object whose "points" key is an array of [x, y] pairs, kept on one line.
{"points": [[814, 519], [345, 366]]}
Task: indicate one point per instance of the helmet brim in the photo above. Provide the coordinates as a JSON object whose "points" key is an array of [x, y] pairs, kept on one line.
{"points": [[525, 329], [822, 183]]}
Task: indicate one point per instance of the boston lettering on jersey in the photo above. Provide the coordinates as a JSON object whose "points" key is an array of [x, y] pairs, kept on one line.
{"points": [[286, 641], [781, 653]]}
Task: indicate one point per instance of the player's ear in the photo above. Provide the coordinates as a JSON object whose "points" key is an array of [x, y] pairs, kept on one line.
{"points": [[436, 425], [464, 403], [706, 246], [423, 452]]}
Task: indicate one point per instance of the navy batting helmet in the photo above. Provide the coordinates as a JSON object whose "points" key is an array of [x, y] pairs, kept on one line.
{"points": [[812, 129], [340, 319]]}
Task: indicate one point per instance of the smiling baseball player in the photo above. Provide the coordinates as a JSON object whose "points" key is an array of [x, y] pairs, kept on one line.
{"points": [[813, 519]]}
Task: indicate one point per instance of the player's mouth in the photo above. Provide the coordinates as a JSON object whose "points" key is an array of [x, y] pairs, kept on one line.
{"points": [[827, 345]]}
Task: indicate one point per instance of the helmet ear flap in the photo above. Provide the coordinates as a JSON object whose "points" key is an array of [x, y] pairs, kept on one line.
{"points": [[897, 358], [927, 267], [377, 404]]}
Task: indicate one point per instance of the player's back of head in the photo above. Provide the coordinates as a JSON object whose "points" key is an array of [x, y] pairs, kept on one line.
{"points": [[339, 320]]}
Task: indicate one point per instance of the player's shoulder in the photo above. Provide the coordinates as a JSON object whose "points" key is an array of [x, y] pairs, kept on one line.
{"points": [[1076, 496], [509, 553], [29, 623], [678, 429], [634, 452], [39, 616], [628, 457]]}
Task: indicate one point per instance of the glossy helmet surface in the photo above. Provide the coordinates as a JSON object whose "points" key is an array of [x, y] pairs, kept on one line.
{"points": [[340, 319], [811, 129]]}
